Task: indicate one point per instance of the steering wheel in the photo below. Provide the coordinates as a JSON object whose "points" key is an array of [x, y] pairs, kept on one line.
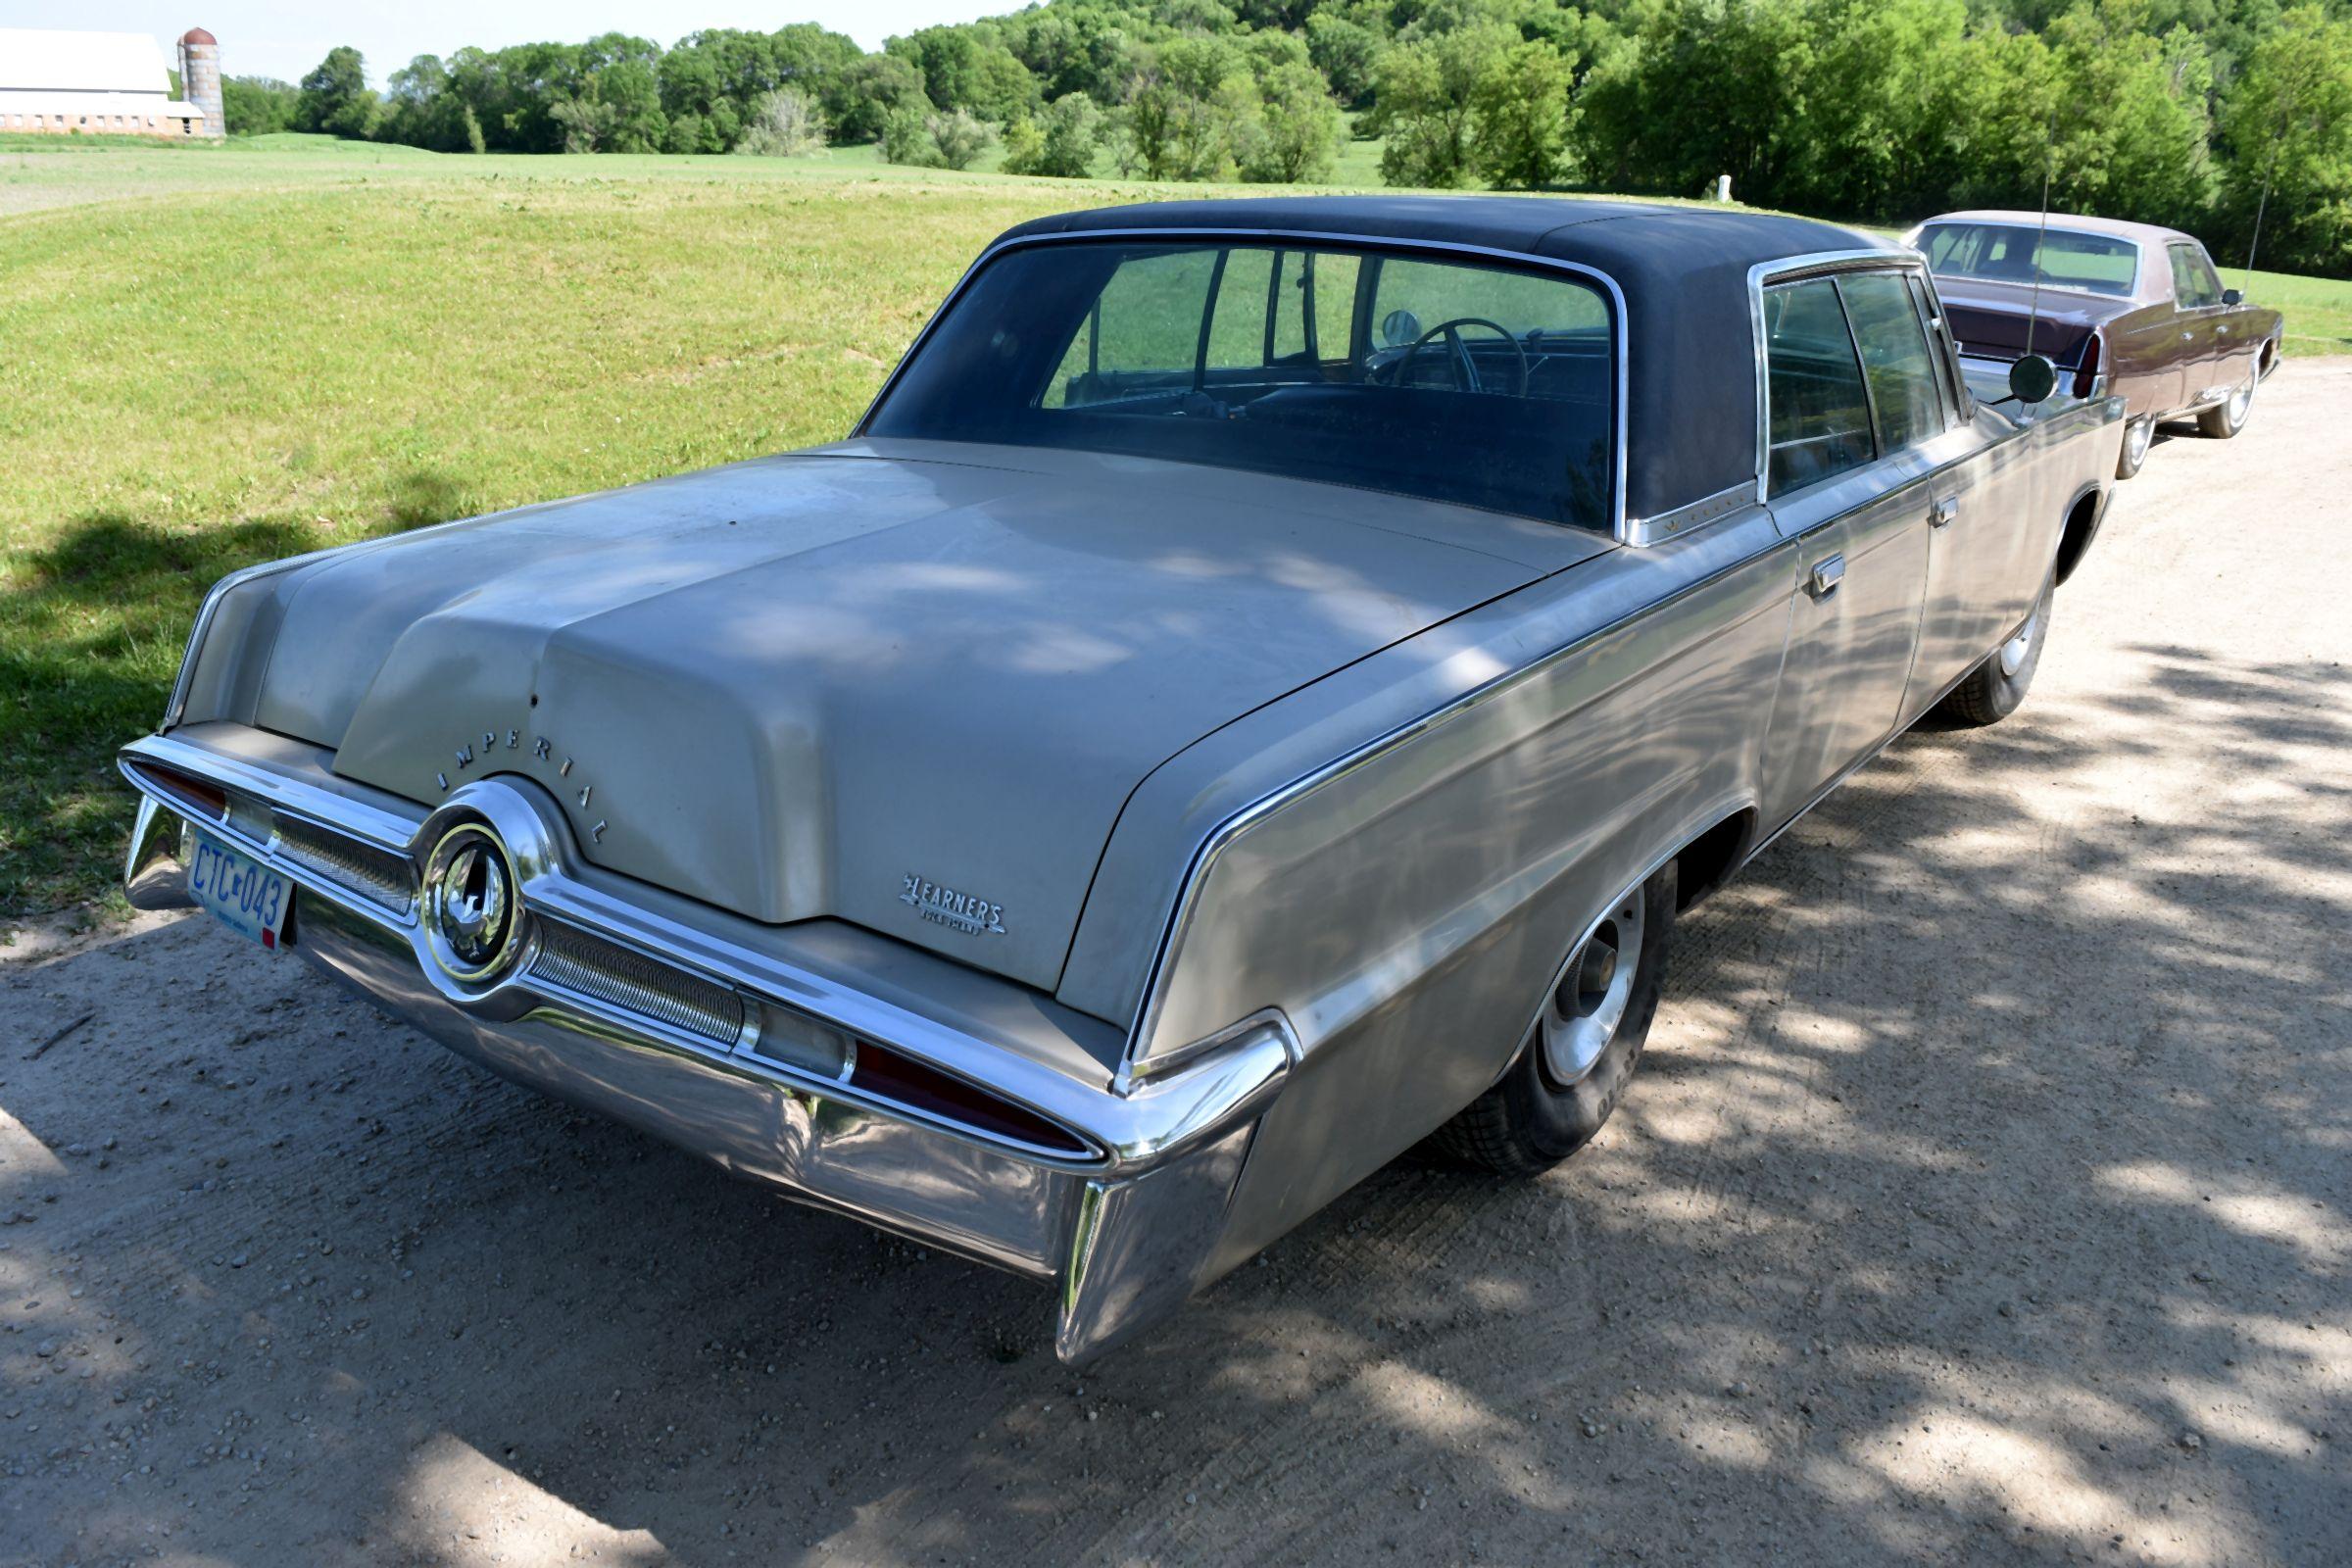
{"points": [[1465, 371]]}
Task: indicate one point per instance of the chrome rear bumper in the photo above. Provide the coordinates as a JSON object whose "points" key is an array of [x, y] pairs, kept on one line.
{"points": [[1124, 1219]]}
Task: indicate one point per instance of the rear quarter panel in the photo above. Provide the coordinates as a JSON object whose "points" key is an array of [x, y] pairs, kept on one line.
{"points": [[1407, 908]]}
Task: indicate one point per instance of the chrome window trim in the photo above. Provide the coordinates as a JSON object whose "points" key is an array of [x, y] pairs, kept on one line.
{"points": [[1792, 270], [1619, 322], [1689, 515]]}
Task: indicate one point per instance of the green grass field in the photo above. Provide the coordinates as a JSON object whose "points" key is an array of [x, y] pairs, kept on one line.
{"points": [[218, 354]]}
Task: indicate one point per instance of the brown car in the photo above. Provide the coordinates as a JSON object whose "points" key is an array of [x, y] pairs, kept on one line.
{"points": [[2131, 309]]}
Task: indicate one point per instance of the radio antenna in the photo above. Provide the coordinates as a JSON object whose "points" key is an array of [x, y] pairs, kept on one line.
{"points": [[2254, 244], [2050, 154]]}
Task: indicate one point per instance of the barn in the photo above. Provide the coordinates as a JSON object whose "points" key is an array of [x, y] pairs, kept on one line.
{"points": [[106, 84]]}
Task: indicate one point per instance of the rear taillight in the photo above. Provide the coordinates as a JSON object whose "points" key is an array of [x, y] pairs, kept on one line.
{"points": [[883, 1073], [2086, 375], [185, 789]]}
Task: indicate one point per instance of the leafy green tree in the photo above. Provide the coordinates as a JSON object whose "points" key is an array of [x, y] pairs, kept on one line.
{"points": [[1193, 111], [1346, 51], [1520, 105], [1297, 128], [784, 124], [1873, 144], [1703, 87], [968, 66], [906, 136], [2131, 123], [335, 97], [959, 137], [2286, 123], [863, 94], [255, 106], [586, 120], [1060, 142], [1423, 91]]}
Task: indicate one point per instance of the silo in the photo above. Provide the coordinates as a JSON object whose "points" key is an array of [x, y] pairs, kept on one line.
{"points": [[200, 77]]}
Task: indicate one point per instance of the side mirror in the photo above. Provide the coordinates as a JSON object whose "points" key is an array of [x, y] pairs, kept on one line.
{"points": [[2231, 296], [2032, 379]]}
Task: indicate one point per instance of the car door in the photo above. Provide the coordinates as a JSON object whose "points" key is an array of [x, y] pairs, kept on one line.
{"points": [[1980, 547], [2198, 295], [2234, 338], [1860, 520]]}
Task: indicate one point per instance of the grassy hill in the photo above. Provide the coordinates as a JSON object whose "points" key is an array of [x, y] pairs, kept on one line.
{"points": [[220, 355]]}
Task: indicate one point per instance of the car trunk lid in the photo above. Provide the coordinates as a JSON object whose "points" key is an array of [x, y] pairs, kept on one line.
{"points": [[912, 689]]}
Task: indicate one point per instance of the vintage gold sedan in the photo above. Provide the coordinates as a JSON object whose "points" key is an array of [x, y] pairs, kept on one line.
{"points": [[1253, 695]]}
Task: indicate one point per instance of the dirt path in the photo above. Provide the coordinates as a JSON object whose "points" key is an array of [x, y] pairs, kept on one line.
{"points": [[1985, 1197]]}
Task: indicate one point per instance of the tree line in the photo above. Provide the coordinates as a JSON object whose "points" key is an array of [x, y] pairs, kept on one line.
{"points": [[2207, 114]]}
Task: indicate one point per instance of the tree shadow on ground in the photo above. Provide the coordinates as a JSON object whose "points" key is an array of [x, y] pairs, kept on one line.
{"points": [[91, 633], [1982, 1197]]}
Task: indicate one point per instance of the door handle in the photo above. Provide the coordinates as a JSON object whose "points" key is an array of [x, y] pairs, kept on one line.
{"points": [[1826, 576], [1943, 511]]}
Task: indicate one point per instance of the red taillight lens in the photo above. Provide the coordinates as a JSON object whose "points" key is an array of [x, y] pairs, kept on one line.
{"points": [[882, 1071], [2088, 374], [186, 789]]}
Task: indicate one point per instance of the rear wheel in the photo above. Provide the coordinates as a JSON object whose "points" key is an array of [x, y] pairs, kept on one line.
{"points": [[2229, 416], [1994, 688], [1578, 1057], [2138, 437]]}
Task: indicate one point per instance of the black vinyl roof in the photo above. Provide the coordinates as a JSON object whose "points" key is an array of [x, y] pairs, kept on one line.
{"points": [[1691, 420]]}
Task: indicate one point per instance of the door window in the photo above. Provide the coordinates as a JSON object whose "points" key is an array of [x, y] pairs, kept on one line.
{"points": [[1894, 357], [2193, 282], [1819, 424]]}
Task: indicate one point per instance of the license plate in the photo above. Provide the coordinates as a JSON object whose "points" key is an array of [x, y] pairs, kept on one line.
{"points": [[244, 895]]}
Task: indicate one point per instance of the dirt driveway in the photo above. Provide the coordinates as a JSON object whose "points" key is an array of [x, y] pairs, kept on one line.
{"points": [[1985, 1197]]}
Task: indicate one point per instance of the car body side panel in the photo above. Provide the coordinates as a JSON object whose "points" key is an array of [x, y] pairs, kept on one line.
{"points": [[1405, 911], [1850, 643], [2147, 362]]}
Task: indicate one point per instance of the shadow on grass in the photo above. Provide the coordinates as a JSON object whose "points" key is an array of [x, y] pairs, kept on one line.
{"points": [[91, 637], [1959, 1189]]}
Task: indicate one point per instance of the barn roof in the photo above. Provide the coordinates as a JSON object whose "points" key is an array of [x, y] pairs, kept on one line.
{"points": [[43, 60]]}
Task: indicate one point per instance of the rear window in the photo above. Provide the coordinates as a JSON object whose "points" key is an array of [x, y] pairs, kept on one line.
{"points": [[2006, 253], [1481, 385]]}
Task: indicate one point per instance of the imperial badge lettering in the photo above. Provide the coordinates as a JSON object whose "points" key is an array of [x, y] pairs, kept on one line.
{"points": [[945, 906]]}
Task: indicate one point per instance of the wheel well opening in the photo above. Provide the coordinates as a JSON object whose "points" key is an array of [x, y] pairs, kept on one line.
{"points": [[1706, 861], [2080, 523]]}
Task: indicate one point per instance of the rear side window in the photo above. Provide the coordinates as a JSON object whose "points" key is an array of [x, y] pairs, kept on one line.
{"points": [[1820, 414], [1894, 357]]}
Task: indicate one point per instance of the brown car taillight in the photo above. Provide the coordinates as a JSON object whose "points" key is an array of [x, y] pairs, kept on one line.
{"points": [[186, 789], [881, 1071], [2086, 375]]}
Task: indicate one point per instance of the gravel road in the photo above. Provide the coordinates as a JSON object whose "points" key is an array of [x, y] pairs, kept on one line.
{"points": [[1985, 1197]]}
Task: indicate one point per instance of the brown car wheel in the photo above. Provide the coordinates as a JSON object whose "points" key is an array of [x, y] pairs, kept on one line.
{"points": [[2139, 435], [2229, 416], [1579, 1055]]}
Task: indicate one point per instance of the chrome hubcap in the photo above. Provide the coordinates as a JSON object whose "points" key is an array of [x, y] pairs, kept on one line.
{"points": [[2142, 431], [2017, 648], [2240, 400], [1595, 986]]}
